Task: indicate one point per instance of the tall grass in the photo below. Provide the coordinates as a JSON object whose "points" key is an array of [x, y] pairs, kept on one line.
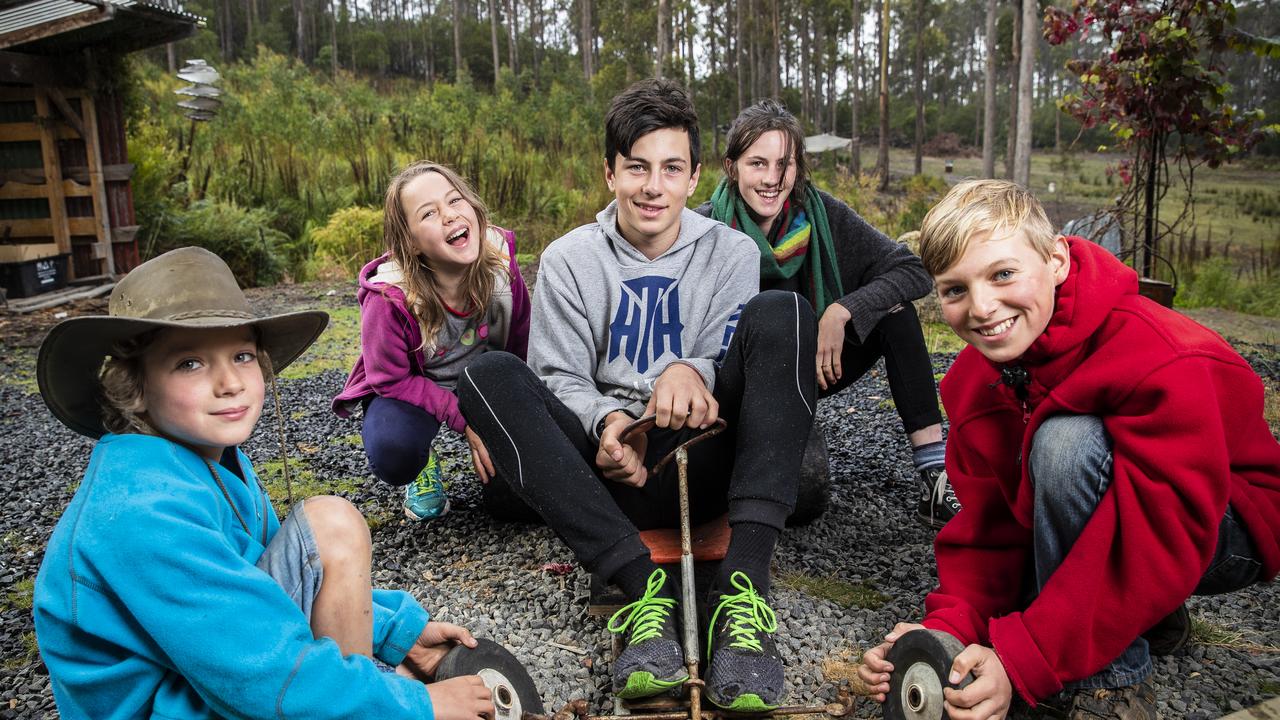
{"points": [[298, 146], [298, 160]]}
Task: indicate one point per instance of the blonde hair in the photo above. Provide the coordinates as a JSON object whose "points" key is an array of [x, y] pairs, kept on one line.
{"points": [[975, 207], [122, 381], [419, 283]]}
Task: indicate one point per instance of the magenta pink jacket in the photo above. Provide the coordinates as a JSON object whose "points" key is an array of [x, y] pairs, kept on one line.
{"points": [[391, 360]]}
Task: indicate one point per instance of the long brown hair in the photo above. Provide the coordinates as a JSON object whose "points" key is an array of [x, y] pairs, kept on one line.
{"points": [[753, 122], [419, 283]]}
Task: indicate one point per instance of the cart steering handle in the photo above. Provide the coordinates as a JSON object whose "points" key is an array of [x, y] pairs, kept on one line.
{"points": [[646, 423]]}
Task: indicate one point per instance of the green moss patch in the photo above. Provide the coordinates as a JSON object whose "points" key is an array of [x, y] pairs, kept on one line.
{"points": [[337, 348], [19, 596], [939, 338], [305, 482], [845, 594], [26, 655]]}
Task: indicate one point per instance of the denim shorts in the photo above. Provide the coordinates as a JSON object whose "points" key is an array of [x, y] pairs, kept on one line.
{"points": [[292, 560]]}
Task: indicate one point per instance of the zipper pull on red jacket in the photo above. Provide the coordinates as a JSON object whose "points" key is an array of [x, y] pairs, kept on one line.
{"points": [[1017, 377]]}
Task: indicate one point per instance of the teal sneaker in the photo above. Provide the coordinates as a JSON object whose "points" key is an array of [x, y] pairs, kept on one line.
{"points": [[652, 662], [424, 498], [745, 673]]}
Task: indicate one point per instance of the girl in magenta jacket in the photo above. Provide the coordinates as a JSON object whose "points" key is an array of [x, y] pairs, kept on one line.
{"points": [[447, 290]]}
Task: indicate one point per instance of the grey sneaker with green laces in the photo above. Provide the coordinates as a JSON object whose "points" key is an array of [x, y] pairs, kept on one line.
{"points": [[652, 662], [425, 498], [745, 672]]}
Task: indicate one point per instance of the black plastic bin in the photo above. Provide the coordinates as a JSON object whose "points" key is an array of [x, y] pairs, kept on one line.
{"points": [[33, 277]]}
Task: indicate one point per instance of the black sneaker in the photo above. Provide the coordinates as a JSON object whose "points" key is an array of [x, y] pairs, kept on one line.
{"points": [[745, 672], [938, 503], [652, 663], [1170, 634], [1135, 702]]}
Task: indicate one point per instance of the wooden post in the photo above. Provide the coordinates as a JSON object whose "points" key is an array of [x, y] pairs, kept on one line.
{"points": [[101, 213], [53, 178]]}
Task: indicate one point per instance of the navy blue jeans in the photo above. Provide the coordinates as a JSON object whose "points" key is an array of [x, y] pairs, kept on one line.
{"points": [[397, 439], [1071, 470]]}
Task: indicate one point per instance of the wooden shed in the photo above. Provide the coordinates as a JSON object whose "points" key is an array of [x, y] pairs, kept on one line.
{"points": [[66, 209]]}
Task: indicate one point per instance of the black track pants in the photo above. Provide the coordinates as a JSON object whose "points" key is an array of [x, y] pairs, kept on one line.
{"points": [[899, 339], [545, 458]]}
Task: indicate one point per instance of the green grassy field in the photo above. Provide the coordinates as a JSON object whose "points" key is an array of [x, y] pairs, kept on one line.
{"points": [[1237, 204]]}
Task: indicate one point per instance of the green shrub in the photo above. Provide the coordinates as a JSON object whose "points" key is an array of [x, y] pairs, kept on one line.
{"points": [[243, 238], [1216, 283], [351, 238]]}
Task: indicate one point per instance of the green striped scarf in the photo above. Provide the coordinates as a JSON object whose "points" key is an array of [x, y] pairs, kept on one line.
{"points": [[800, 233]]}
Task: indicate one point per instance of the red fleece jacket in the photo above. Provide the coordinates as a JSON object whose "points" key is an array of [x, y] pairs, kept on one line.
{"points": [[1184, 412]]}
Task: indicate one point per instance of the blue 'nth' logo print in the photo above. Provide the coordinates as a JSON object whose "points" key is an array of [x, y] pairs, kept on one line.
{"points": [[647, 324]]}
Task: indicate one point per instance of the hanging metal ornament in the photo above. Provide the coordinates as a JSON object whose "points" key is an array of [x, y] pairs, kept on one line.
{"points": [[209, 105], [198, 71], [204, 91]]}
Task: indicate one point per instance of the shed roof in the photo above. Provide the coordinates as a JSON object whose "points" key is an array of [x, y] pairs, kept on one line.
{"points": [[47, 27], [825, 143]]}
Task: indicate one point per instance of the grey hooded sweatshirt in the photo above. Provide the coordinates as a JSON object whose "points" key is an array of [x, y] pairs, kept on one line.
{"points": [[607, 320]]}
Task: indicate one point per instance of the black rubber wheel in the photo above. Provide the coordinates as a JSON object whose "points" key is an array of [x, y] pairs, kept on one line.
{"points": [[813, 493], [921, 663], [513, 690]]}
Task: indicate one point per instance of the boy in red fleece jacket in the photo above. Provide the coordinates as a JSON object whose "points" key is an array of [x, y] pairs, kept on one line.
{"points": [[1110, 455]]}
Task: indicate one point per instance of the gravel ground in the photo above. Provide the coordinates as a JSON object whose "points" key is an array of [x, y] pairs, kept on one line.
{"points": [[845, 579]]}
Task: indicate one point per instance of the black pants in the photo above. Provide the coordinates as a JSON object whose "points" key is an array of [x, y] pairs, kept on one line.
{"points": [[899, 340], [544, 456]]}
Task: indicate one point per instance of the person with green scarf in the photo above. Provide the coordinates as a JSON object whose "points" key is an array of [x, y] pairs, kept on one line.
{"points": [[859, 282]]}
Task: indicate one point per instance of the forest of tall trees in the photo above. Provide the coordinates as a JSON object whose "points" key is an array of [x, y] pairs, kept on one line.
{"points": [[946, 63]]}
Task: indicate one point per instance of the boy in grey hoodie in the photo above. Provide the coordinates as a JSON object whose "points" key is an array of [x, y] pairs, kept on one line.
{"points": [[654, 309]]}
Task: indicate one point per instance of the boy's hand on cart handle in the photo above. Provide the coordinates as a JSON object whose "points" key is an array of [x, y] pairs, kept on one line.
{"points": [[988, 696], [681, 399], [461, 698], [622, 461], [831, 344], [480, 456], [433, 643], [874, 669]]}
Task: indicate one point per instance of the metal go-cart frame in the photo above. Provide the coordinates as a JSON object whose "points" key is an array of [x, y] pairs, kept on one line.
{"points": [[915, 692]]}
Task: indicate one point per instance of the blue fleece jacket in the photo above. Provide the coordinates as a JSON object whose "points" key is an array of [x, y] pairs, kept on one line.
{"points": [[149, 604]]}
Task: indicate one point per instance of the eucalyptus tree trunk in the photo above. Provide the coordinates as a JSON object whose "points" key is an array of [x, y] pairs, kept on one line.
{"points": [[1026, 82], [918, 72], [300, 28], [989, 96], [493, 37], [459, 69], [806, 63], [882, 162], [513, 52], [1014, 71], [333, 39], [585, 44], [429, 68], [775, 65], [855, 94], [664, 49], [738, 51]]}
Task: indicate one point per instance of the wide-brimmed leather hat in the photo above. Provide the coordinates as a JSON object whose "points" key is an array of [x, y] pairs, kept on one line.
{"points": [[185, 288]]}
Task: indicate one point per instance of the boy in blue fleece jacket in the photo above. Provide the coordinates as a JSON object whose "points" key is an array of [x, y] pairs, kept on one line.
{"points": [[169, 589]]}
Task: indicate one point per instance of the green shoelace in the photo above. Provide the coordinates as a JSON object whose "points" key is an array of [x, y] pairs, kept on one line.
{"points": [[428, 480], [749, 615], [646, 615]]}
